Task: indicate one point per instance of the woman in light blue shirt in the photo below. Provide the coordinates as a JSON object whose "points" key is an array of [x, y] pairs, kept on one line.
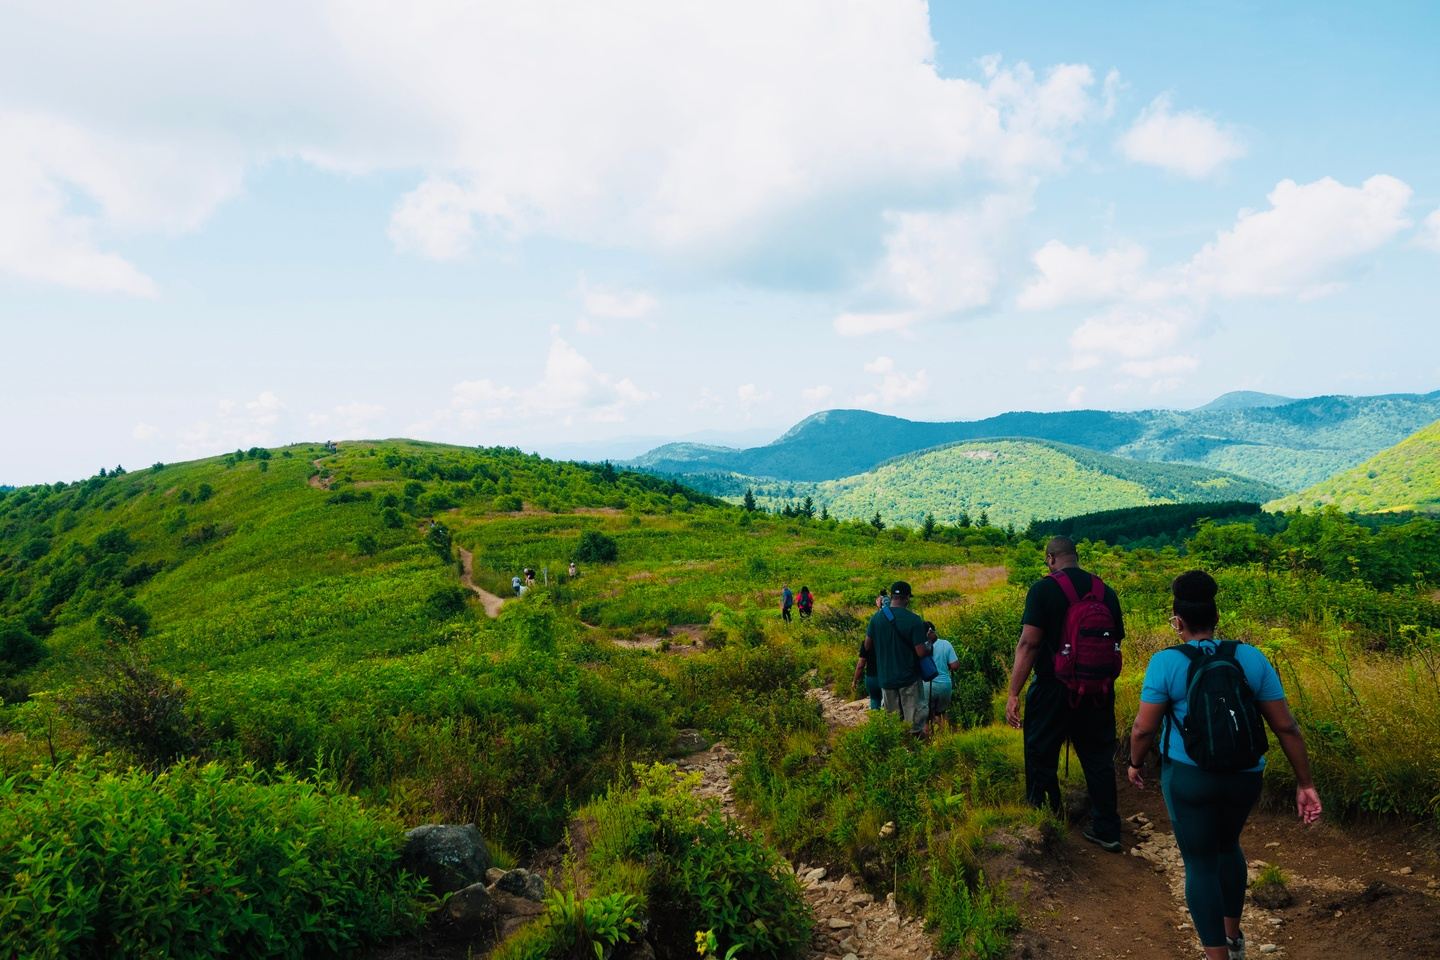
{"points": [[1208, 808], [942, 688]]}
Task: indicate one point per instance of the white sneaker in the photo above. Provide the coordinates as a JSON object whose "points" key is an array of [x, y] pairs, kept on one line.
{"points": [[1235, 946]]}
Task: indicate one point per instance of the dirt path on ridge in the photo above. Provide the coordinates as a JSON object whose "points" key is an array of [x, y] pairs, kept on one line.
{"points": [[1360, 893], [849, 922], [467, 577], [317, 481]]}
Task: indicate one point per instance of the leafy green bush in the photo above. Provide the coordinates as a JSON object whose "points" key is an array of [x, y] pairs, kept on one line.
{"points": [[19, 649], [698, 869], [193, 863], [133, 707], [596, 547]]}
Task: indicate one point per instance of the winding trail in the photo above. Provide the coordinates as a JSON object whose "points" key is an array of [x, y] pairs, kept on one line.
{"points": [[467, 577], [849, 922], [316, 480]]}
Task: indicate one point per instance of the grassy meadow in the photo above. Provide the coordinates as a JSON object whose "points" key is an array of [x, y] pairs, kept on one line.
{"points": [[257, 654]]}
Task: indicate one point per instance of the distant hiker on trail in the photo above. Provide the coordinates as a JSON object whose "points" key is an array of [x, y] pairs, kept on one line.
{"points": [[529, 576], [1210, 772], [806, 603], [895, 637], [787, 600], [1070, 635], [942, 688], [515, 585], [574, 570]]}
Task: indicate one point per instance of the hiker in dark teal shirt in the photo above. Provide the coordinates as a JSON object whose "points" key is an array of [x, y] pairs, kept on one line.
{"points": [[895, 637]]}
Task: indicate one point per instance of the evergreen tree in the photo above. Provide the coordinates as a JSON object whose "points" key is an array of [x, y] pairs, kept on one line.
{"points": [[824, 513], [807, 508], [876, 522], [964, 520], [984, 520], [927, 528], [749, 500]]}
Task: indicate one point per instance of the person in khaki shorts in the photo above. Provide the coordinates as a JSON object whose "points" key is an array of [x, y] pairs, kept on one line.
{"points": [[895, 637]]}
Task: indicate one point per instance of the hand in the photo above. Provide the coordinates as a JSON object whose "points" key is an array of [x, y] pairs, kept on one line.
{"points": [[1012, 712], [1307, 804], [1136, 776]]}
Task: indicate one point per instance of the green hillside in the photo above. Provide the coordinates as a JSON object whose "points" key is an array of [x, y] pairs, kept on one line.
{"points": [[1404, 477], [1010, 481], [1289, 444], [229, 685]]}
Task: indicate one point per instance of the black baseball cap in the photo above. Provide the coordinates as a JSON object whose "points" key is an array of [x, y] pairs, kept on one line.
{"points": [[900, 589]]}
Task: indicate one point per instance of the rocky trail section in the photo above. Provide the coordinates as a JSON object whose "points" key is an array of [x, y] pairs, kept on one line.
{"points": [[850, 923]]}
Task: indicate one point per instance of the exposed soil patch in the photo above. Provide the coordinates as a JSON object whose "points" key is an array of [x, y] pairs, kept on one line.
{"points": [[318, 481], [1351, 900], [685, 638], [467, 578]]}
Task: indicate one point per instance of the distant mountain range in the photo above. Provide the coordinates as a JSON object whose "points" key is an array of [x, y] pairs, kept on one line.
{"points": [[1403, 477], [1289, 444], [1009, 481]]}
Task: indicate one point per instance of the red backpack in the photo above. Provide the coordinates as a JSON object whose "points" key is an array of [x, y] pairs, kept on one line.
{"points": [[1088, 658]]}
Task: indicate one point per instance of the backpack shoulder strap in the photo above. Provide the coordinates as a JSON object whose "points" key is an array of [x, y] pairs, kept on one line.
{"points": [[1097, 589], [1066, 587], [1194, 656]]}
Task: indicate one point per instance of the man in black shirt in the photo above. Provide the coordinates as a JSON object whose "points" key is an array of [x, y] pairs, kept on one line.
{"points": [[1050, 716]]}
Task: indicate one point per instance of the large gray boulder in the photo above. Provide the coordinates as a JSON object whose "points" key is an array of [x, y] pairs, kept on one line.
{"points": [[451, 857], [523, 883], [469, 913]]}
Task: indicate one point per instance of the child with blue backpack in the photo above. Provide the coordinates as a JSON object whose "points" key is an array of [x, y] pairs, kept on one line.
{"points": [[1213, 699]]}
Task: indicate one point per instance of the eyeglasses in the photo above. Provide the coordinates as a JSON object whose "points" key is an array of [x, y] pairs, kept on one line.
{"points": [[1175, 621]]}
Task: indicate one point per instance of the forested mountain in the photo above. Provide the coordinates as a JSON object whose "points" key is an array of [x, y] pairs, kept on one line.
{"points": [[1403, 477], [1009, 481], [1291, 445]]}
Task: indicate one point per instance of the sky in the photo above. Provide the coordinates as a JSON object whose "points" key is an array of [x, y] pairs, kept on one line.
{"points": [[585, 228]]}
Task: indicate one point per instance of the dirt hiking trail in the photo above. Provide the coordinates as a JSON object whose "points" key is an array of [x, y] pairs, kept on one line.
{"points": [[1359, 893], [467, 577], [849, 922]]}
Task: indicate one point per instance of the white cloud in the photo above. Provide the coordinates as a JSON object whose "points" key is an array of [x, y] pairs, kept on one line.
{"points": [[869, 324], [1302, 243], [1128, 333], [642, 125], [1155, 367], [1430, 232], [750, 396], [1076, 397], [569, 391], [145, 431], [1188, 143], [947, 262], [817, 394], [1074, 275], [617, 304], [349, 420], [893, 386], [235, 426]]}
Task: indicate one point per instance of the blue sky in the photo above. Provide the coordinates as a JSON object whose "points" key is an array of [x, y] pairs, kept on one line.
{"points": [[566, 228]]}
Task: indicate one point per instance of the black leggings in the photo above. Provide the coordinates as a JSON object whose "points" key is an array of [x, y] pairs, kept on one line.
{"points": [[1207, 813]]}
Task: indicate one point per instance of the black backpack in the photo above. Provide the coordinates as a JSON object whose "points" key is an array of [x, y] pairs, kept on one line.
{"points": [[1223, 730]]}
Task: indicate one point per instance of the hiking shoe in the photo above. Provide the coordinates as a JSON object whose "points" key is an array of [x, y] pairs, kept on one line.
{"points": [[1235, 947], [1111, 845]]}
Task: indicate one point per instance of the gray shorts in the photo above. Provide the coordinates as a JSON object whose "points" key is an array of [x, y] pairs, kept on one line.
{"points": [[909, 702]]}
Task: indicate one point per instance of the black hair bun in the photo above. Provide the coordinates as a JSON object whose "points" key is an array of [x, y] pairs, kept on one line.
{"points": [[1195, 586]]}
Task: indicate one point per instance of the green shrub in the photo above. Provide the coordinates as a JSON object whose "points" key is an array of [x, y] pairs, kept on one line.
{"points": [[193, 863], [699, 870], [446, 602], [596, 547], [508, 503], [133, 707], [19, 649]]}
